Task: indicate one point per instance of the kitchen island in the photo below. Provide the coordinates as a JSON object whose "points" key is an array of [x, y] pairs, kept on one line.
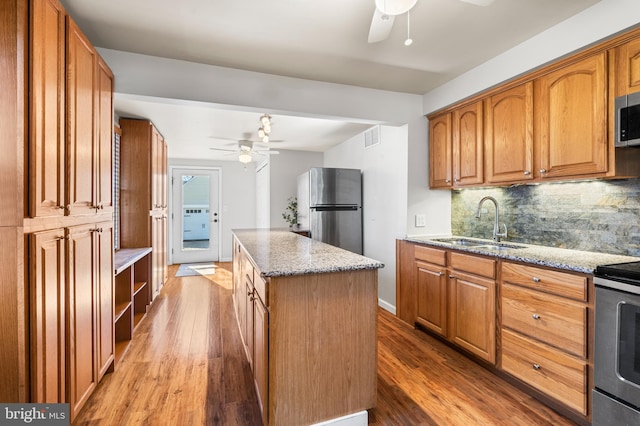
{"points": [[307, 316]]}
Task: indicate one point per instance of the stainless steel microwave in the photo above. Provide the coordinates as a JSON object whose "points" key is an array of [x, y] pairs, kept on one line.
{"points": [[627, 117]]}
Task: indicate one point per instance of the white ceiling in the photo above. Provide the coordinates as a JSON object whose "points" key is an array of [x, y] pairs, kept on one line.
{"points": [[310, 39]]}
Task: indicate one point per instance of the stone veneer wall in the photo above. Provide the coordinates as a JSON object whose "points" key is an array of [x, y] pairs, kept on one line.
{"points": [[600, 216]]}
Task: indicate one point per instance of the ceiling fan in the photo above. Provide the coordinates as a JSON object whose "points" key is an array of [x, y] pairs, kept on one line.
{"points": [[387, 10], [246, 151]]}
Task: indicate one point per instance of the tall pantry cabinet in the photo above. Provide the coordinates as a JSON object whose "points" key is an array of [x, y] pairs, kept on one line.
{"points": [[56, 223], [143, 194]]}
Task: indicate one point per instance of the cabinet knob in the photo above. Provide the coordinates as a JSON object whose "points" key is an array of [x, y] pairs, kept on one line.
{"points": [[536, 316], [536, 366], [527, 173], [447, 181], [451, 276], [543, 171], [456, 180], [440, 274], [536, 279]]}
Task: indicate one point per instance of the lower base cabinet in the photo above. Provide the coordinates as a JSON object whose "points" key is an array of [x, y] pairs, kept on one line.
{"points": [[545, 316]]}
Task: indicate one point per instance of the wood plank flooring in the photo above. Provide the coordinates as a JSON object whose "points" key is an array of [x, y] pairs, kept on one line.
{"points": [[186, 366]]}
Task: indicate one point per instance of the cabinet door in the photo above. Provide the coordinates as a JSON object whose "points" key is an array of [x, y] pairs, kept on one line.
{"points": [[105, 296], [46, 154], [47, 299], [509, 135], [248, 331], [440, 151], [571, 119], [472, 306], [81, 58], [431, 285], [468, 145], [104, 135], [81, 309], [261, 355], [627, 69], [156, 168]]}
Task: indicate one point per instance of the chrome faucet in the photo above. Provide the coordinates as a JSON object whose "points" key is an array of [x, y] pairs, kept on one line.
{"points": [[496, 226]]}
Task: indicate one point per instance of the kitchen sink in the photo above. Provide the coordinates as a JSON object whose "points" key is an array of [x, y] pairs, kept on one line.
{"points": [[465, 242]]}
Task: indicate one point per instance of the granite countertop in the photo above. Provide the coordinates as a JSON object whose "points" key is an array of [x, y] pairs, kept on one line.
{"points": [[280, 252], [572, 260]]}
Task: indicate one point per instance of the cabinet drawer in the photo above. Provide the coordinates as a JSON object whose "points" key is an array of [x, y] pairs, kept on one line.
{"points": [[431, 255], [247, 267], [563, 284], [558, 322], [474, 264], [260, 285], [556, 374]]}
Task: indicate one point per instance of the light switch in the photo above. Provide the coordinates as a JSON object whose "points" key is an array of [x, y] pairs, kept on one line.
{"points": [[421, 220]]}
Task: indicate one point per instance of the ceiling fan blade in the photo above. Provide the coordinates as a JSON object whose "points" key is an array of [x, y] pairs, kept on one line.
{"points": [[479, 2], [222, 149], [264, 152], [380, 28]]}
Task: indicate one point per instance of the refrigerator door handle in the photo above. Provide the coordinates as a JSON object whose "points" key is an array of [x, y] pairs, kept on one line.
{"points": [[334, 208]]}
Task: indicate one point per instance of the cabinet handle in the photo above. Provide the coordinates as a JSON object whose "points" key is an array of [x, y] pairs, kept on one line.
{"points": [[447, 181], [536, 367], [527, 173], [536, 316], [456, 180], [440, 274], [536, 279], [543, 171], [451, 276]]}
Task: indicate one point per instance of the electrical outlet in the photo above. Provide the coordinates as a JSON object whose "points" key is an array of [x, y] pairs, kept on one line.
{"points": [[421, 220]]}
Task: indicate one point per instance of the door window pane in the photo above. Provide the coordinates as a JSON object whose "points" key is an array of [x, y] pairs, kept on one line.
{"points": [[195, 212]]}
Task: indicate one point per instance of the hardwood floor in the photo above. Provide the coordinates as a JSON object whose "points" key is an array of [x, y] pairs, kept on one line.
{"points": [[186, 366]]}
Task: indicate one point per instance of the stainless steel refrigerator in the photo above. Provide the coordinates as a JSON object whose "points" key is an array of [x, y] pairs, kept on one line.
{"points": [[330, 206]]}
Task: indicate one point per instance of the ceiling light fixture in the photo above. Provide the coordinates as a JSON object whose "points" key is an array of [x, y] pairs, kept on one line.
{"points": [[265, 129], [408, 41], [244, 157]]}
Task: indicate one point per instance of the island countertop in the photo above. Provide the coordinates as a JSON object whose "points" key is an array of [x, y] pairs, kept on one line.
{"points": [[280, 252]]}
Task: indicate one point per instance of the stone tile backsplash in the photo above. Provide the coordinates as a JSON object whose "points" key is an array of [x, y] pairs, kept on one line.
{"points": [[600, 216]]}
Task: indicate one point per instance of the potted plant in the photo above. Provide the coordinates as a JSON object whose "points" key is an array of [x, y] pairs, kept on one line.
{"points": [[291, 212]]}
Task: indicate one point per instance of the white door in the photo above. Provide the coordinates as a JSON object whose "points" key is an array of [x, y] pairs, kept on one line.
{"points": [[195, 215]]}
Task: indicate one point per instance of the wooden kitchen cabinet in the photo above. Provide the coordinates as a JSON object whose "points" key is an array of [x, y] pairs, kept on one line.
{"points": [[143, 180], [46, 159], [626, 70], [468, 145], [47, 316], [453, 295], [440, 151], [545, 331], [472, 308], [508, 140], [104, 136], [430, 278], [571, 120]]}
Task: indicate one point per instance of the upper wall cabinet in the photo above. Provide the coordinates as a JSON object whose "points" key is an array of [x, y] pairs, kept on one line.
{"points": [[627, 68], [440, 151], [571, 119], [47, 115], [508, 140], [467, 145]]}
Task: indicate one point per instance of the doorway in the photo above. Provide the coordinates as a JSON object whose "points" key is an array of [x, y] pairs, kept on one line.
{"points": [[195, 216]]}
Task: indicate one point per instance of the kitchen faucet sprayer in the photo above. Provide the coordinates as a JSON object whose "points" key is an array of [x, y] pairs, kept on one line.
{"points": [[496, 226]]}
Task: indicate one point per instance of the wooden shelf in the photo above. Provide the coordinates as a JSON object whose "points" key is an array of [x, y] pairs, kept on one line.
{"points": [[138, 286], [131, 293], [121, 309]]}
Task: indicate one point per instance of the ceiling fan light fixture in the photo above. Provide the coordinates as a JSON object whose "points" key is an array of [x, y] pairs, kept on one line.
{"points": [[244, 157], [265, 120], [265, 139], [261, 133]]}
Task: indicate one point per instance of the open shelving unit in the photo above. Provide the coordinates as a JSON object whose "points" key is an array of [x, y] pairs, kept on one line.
{"points": [[132, 294]]}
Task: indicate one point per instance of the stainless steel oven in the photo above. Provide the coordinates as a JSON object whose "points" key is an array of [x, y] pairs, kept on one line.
{"points": [[616, 396]]}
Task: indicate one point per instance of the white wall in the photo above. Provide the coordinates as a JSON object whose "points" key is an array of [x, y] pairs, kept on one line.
{"points": [[263, 194], [285, 169], [384, 198], [238, 198]]}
